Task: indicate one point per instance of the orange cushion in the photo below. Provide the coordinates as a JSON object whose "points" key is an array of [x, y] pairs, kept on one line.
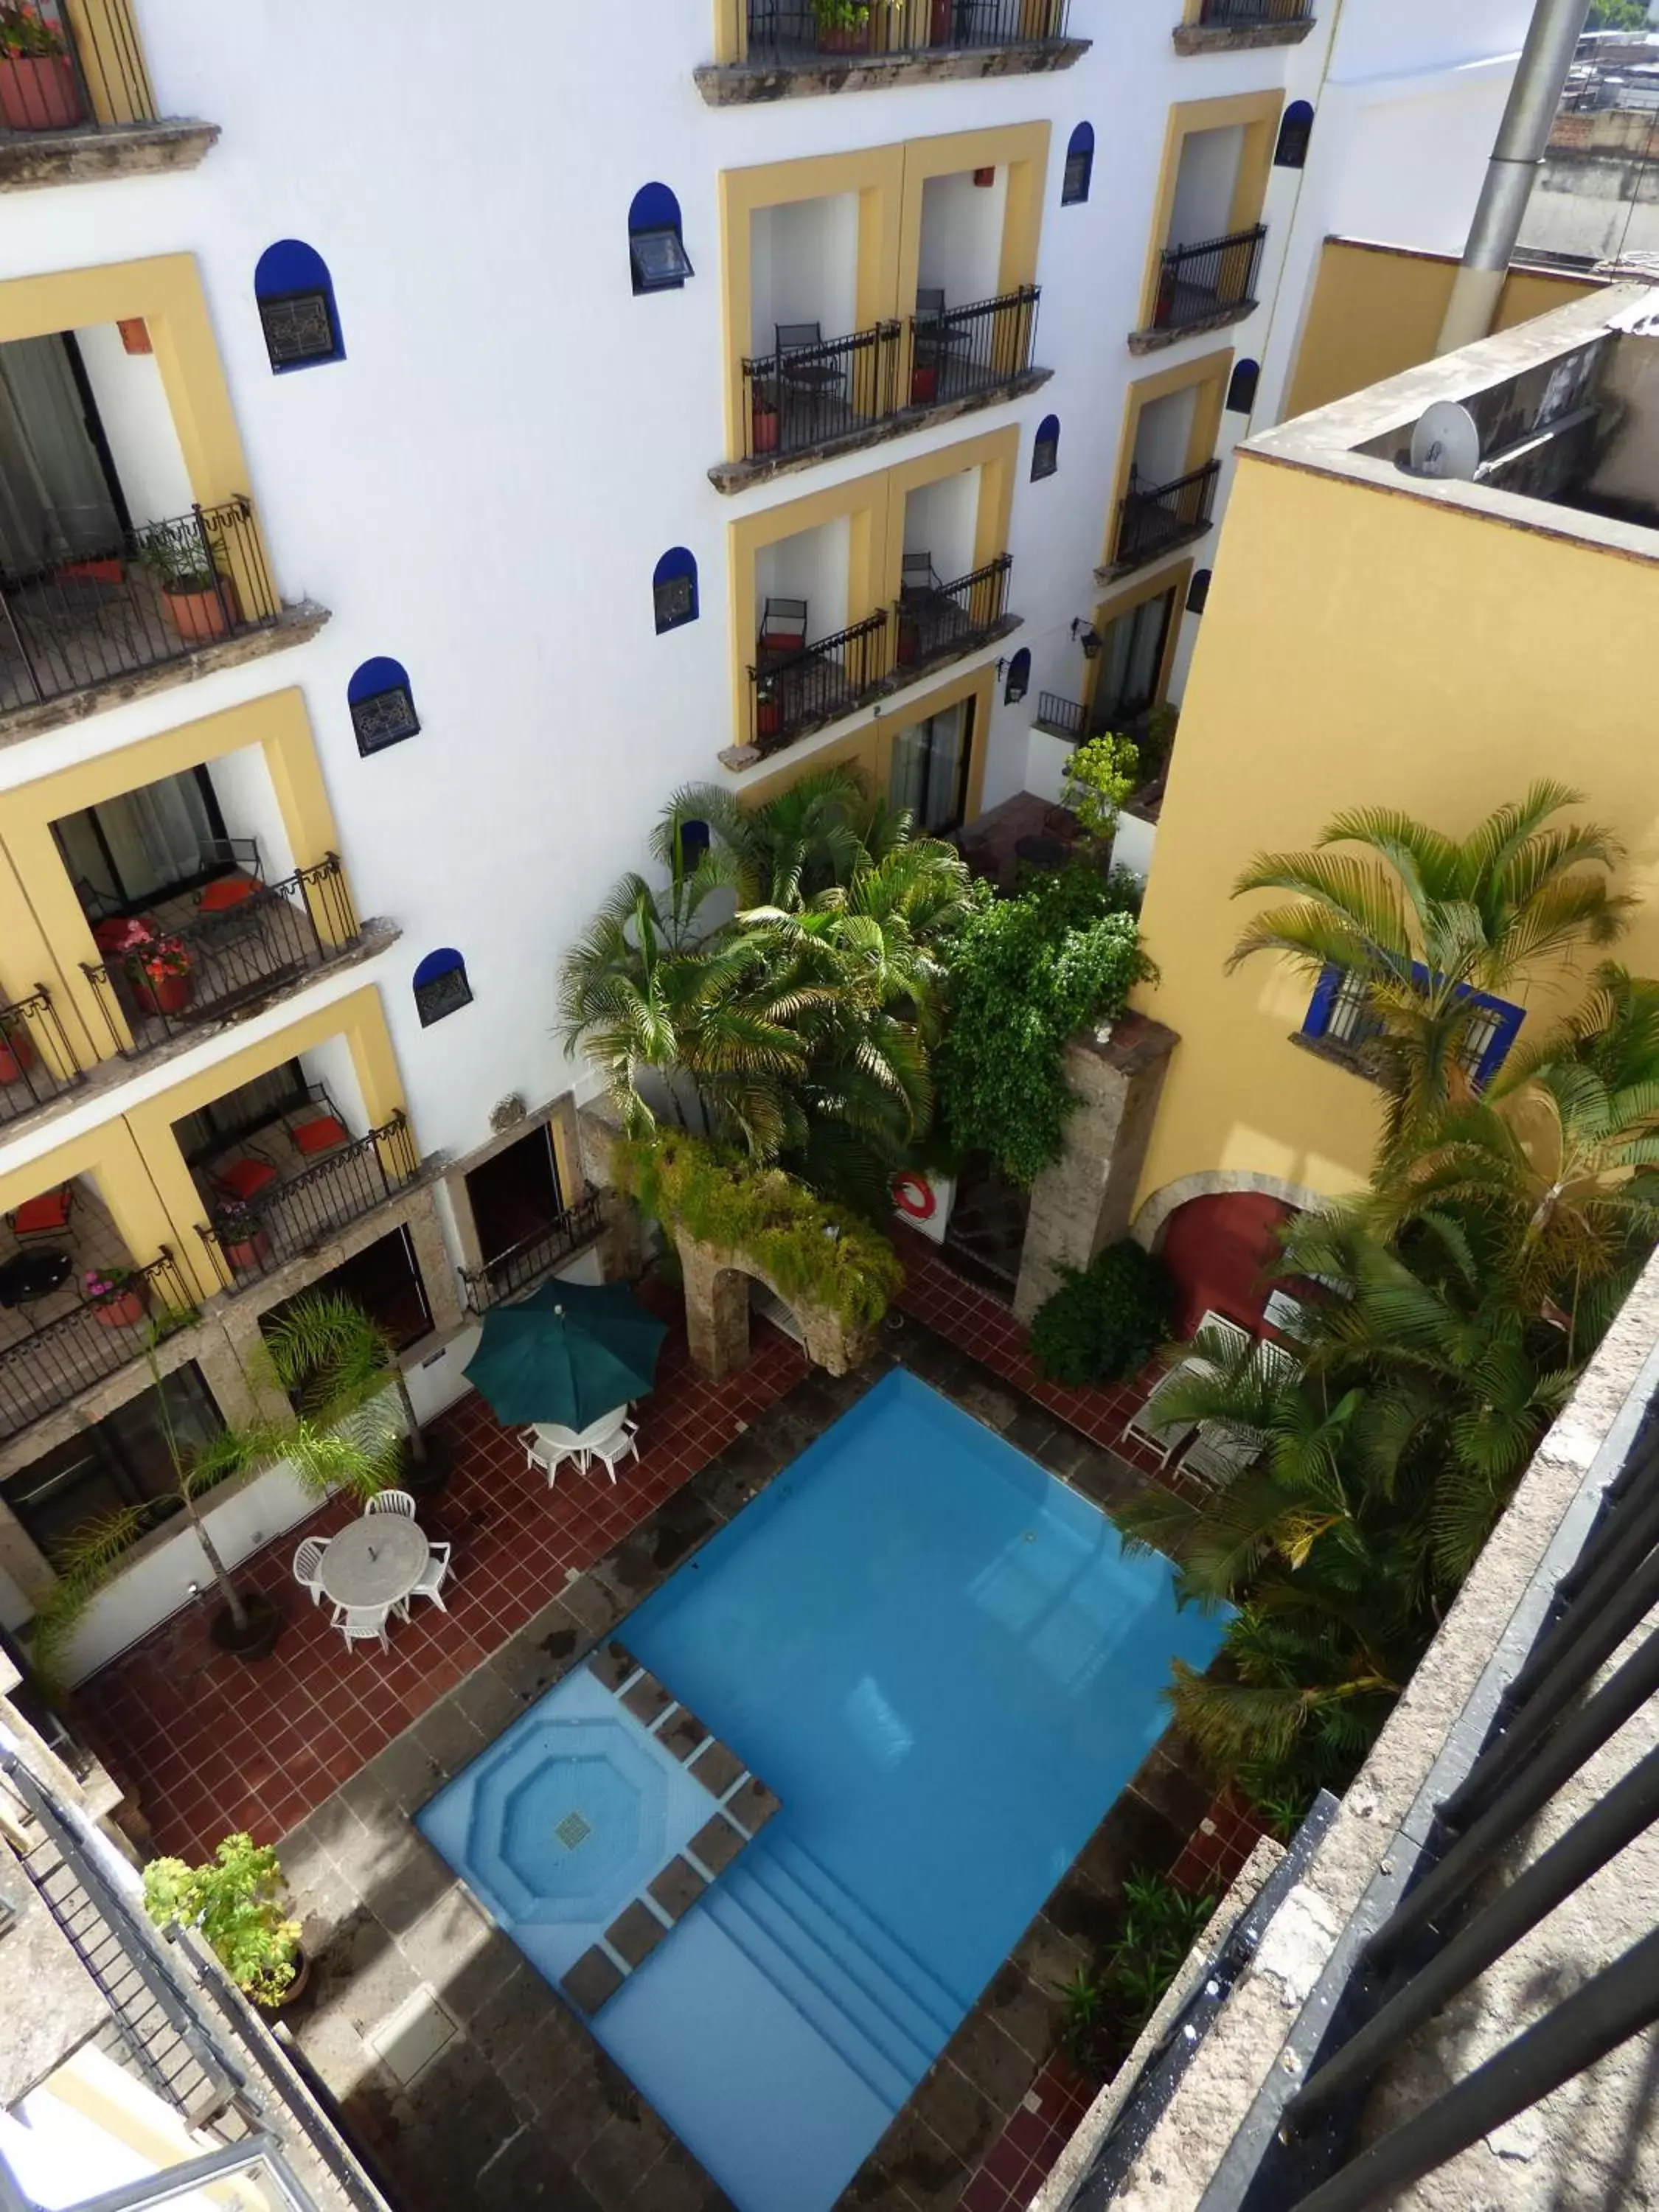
{"points": [[321, 1135], [51, 1212], [226, 891], [243, 1177]]}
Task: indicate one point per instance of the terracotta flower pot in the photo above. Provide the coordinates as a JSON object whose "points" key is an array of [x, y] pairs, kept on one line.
{"points": [[160, 994], [37, 92], [924, 386], [17, 1054], [249, 1252], [124, 1311], [844, 38], [766, 718], [765, 429], [199, 616]]}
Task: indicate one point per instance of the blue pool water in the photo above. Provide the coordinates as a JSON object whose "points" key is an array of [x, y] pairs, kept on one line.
{"points": [[936, 1656]]}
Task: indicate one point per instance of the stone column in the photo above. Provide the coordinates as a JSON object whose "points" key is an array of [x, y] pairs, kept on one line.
{"points": [[716, 1312], [1083, 1201]]}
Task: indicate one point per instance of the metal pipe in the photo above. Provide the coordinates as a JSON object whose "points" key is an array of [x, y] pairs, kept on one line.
{"points": [[1552, 41]]}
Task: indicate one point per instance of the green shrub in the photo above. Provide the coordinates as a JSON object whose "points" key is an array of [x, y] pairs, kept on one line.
{"points": [[1111, 2000], [1107, 1319]]}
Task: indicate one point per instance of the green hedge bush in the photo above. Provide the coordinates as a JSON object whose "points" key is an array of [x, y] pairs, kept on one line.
{"points": [[1106, 1320]]}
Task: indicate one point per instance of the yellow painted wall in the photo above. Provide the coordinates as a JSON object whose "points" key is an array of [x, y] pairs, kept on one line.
{"points": [[112, 60], [869, 750], [1376, 310], [1361, 647], [1258, 113]]}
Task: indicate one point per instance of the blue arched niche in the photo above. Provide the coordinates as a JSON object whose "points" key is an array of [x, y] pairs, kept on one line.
{"points": [[440, 986], [674, 589], [1079, 166], [656, 246], [382, 702], [297, 310]]}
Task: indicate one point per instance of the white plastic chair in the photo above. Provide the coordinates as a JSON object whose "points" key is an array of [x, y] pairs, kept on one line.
{"points": [[544, 1448], [307, 1566], [620, 1444], [362, 1623], [433, 1574], [1163, 1433], [391, 1501], [1224, 1333], [1216, 1455]]}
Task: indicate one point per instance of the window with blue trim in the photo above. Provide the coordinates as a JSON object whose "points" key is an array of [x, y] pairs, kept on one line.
{"points": [[382, 704], [674, 589], [1338, 1014], [1198, 592], [694, 840], [1045, 454], [1079, 167], [1019, 677], [297, 313], [1241, 386], [1294, 132], [440, 986], [656, 249]]}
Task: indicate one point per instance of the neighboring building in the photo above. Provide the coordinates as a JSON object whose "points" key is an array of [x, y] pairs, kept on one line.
{"points": [[1596, 196], [1380, 637], [411, 474]]}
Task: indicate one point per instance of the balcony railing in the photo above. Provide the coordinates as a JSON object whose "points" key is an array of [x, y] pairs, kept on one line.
{"points": [[947, 620], [1252, 15], [262, 1234], [90, 611], [224, 962], [91, 70], [796, 31], [962, 350], [534, 1259], [1154, 519], [801, 691], [1196, 282], [801, 396], [94, 1340], [1061, 718], [36, 1060]]}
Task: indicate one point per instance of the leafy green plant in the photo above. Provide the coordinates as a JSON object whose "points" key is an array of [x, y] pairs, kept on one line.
{"points": [[1106, 1320], [810, 1249], [26, 33], [841, 15], [1099, 776], [1025, 976], [234, 1902], [178, 559], [1155, 736], [1110, 2002]]}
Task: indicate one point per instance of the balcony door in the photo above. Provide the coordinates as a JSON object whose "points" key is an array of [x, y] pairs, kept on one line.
{"points": [[59, 496], [514, 1195], [930, 768], [128, 852], [1131, 663]]}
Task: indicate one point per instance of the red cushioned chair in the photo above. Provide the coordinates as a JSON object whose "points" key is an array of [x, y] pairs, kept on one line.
{"points": [[243, 1178], [241, 856], [46, 1216], [324, 1132]]}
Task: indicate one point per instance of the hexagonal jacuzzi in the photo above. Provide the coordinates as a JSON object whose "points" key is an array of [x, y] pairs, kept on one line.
{"points": [[565, 1818]]}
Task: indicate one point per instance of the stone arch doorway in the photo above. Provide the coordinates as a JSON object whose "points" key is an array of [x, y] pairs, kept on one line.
{"points": [[717, 1314], [1217, 1236]]}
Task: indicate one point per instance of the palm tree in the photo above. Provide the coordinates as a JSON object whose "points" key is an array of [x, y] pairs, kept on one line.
{"points": [[1421, 920], [340, 1363]]}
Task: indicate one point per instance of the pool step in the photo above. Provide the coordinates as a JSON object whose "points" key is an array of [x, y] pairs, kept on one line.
{"points": [[941, 2011]]}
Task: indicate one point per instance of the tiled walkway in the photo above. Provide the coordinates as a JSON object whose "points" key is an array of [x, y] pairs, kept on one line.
{"points": [[1019, 2162]]}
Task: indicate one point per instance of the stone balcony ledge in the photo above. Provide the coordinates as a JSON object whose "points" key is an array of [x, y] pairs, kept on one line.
{"points": [[1156, 340], [1238, 38], [736, 84], [742, 475], [32, 159]]}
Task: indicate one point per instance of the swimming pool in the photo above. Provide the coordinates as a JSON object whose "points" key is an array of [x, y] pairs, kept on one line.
{"points": [[936, 1656]]}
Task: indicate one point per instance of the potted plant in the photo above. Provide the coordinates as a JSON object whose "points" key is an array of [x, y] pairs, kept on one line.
{"points": [[1099, 776], [924, 382], [156, 965], [843, 26], [16, 1053], [235, 1903], [763, 415], [241, 1237], [38, 90], [116, 1296], [201, 603]]}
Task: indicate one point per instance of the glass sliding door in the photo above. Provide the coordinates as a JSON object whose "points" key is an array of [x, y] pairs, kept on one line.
{"points": [[128, 852], [1131, 662], [57, 493], [929, 773]]}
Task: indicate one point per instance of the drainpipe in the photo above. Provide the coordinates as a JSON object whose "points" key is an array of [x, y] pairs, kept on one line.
{"points": [[1551, 40]]}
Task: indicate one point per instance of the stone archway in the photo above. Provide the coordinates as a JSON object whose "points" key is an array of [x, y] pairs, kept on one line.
{"points": [[716, 1285], [1147, 1227], [1219, 1235]]}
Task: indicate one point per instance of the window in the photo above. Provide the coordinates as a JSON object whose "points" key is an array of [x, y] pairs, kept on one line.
{"points": [[440, 986], [674, 589], [1045, 452], [929, 773], [1079, 167], [694, 839], [656, 252], [1338, 1012], [119, 1462], [1019, 677], [385, 1279], [1198, 592], [296, 296], [1241, 386], [515, 1194], [1294, 132], [382, 705], [1131, 664]]}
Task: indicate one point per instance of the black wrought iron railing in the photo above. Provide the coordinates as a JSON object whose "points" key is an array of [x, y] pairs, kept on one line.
{"points": [[1217, 277], [532, 1261], [257, 1236], [957, 351], [1154, 519], [95, 1338], [224, 962], [805, 396], [947, 620], [803, 30], [1061, 717], [37, 1061], [799, 691], [1252, 15], [91, 609], [76, 71]]}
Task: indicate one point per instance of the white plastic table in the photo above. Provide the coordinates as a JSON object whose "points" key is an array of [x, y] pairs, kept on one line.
{"points": [[375, 1562]]}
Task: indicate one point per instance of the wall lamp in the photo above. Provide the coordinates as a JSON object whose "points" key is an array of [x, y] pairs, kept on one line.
{"points": [[1087, 636]]}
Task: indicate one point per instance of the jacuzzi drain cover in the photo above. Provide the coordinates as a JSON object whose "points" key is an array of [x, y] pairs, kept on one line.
{"points": [[573, 1830]]}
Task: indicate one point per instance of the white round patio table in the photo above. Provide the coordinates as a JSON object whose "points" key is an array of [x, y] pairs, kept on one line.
{"points": [[374, 1562]]}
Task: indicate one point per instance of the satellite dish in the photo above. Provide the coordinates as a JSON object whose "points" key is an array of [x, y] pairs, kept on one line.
{"points": [[1446, 441]]}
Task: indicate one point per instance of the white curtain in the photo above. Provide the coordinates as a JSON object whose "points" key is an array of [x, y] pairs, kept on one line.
{"points": [[155, 837], [54, 501], [927, 772]]}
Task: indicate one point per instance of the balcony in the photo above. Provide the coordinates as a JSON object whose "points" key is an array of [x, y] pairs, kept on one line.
{"points": [[534, 1259], [938, 622], [1221, 25], [809, 401], [1154, 520], [76, 103], [298, 1200], [1203, 288], [788, 49], [37, 1062], [171, 972], [793, 694]]}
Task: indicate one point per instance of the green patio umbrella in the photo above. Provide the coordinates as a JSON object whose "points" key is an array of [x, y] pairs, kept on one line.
{"points": [[567, 1354]]}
